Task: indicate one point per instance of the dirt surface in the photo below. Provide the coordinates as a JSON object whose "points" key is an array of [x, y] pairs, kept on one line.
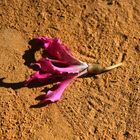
{"points": [[97, 31]]}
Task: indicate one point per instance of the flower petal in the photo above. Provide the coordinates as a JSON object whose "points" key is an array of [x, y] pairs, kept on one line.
{"points": [[56, 50], [47, 66], [37, 78], [54, 94]]}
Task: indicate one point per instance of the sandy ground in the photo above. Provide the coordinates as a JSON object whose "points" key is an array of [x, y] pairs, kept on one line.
{"points": [[97, 31]]}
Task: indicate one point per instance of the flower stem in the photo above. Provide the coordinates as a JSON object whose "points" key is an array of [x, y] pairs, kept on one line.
{"points": [[111, 67], [96, 69]]}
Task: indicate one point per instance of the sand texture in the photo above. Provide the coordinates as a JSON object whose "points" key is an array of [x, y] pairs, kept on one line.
{"points": [[97, 31]]}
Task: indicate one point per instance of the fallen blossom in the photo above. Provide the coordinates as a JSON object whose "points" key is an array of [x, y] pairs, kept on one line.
{"points": [[60, 67]]}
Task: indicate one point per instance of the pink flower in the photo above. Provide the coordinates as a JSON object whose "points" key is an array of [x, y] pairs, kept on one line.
{"points": [[59, 66]]}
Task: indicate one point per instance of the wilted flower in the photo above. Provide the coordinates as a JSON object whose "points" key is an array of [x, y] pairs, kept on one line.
{"points": [[61, 68]]}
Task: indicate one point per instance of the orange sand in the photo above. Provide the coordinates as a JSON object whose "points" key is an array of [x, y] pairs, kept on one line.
{"points": [[97, 31]]}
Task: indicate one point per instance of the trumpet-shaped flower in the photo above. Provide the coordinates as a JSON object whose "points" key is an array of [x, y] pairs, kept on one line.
{"points": [[59, 66]]}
